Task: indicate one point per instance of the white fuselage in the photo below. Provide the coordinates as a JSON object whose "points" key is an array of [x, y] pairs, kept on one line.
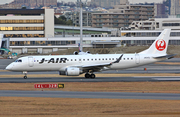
{"points": [[74, 65], [61, 62]]}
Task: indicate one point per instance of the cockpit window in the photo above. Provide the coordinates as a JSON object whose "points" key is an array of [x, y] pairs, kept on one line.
{"points": [[18, 60]]}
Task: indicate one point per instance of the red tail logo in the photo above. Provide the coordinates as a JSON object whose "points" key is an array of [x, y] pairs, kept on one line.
{"points": [[160, 44]]}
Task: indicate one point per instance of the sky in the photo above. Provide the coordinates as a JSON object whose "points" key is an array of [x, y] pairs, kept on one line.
{"points": [[131, 1]]}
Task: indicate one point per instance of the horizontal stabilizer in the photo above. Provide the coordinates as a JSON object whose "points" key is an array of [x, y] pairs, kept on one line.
{"points": [[166, 56]]}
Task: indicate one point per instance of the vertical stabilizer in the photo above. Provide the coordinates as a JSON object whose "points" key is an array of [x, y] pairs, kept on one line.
{"points": [[160, 45]]}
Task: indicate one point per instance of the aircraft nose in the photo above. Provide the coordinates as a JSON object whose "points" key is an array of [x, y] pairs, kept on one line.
{"points": [[9, 67]]}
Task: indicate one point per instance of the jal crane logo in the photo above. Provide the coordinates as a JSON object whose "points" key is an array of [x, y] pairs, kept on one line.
{"points": [[160, 44]]}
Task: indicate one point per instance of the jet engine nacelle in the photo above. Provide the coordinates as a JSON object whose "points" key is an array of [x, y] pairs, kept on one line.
{"points": [[88, 52], [73, 71], [75, 53]]}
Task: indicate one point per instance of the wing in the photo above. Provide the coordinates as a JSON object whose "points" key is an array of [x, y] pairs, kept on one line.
{"points": [[98, 67]]}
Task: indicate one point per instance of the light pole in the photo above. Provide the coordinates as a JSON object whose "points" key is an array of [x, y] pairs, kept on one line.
{"points": [[81, 37]]}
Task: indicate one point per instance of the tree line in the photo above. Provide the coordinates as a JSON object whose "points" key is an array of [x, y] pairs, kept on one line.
{"points": [[63, 21]]}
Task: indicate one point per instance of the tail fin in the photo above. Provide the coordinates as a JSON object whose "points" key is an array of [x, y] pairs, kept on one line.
{"points": [[160, 45], [79, 47]]}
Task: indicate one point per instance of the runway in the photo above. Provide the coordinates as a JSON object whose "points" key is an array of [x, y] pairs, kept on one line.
{"points": [[98, 79], [102, 95]]}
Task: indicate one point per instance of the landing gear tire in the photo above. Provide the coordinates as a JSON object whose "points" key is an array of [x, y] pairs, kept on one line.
{"points": [[92, 76], [25, 77], [25, 74], [87, 75]]}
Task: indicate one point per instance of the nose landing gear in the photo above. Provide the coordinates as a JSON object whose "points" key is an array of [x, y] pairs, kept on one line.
{"points": [[25, 74]]}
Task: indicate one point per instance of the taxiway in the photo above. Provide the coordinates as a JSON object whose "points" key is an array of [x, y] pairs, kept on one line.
{"points": [[104, 95], [98, 79]]}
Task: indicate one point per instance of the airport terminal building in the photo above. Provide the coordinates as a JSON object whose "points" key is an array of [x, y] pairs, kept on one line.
{"points": [[27, 23], [145, 32]]}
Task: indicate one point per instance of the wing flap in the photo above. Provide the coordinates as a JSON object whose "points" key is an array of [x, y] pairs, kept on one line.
{"points": [[95, 67]]}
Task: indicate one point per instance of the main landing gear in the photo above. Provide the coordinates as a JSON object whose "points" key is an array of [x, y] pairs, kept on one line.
{"points": [[87, 75], [25, 74]]}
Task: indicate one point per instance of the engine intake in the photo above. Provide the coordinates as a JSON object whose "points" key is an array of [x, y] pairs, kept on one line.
{"points": [[88, 52], [73, 71], [75, 53]]}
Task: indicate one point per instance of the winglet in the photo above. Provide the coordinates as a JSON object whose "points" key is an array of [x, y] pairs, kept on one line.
{"points": [[119, 59]]}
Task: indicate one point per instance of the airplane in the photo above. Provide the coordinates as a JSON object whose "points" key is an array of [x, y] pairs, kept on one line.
{"points": [[74, 65], [81, 52]]}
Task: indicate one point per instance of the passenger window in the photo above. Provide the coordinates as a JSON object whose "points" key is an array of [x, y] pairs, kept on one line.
{"points": [[106, 58], [71, 60], [83, 59], [92, 59], [124, 59], [67, 59], [112, 58], [99, 59], [103, 59], [74, 59], [88, 59], [79, 59], [131, 58], [95, 59], [109, 58], [127, 58]]}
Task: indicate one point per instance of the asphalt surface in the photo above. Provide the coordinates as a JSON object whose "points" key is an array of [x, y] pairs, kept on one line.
{"points": [[102, 95], [5, 62]]}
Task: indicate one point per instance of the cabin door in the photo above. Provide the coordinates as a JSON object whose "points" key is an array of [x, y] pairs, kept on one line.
{"points": [[137, 58], [30, 61]]}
